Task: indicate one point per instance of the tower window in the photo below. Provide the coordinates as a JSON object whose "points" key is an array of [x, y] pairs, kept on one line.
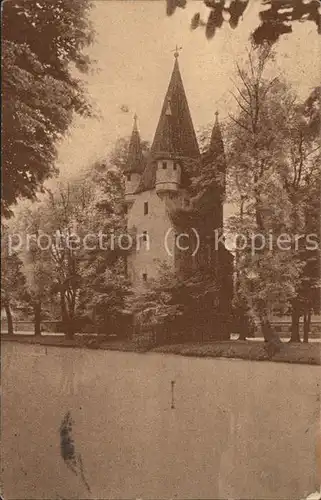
{"points": [[144, 235], [128, 176], [175, 166], [144, 276], [164, 165], [186, 202], [145, 207], [125, 209]]}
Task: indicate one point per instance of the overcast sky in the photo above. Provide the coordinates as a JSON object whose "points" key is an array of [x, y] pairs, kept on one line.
{"points": [[134, 60]]}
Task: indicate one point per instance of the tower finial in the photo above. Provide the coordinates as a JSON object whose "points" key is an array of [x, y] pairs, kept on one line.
{"points": [[176, 51], [135, 121], [216, 115], [135, 160]]}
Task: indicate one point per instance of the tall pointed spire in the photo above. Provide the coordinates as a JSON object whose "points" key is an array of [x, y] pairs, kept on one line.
{"points": [[167, 139], [135, 159], [135, 128], [175, 121], [216, 146], [216, 154]]}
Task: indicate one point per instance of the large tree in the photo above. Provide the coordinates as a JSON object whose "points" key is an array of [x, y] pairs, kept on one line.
{"points": [[71, 252], [12, 277], [66, 214], [259, 152], [30, 244], [301, 179], [276, 17], [274, 159], [41, 41], [103, 268]]}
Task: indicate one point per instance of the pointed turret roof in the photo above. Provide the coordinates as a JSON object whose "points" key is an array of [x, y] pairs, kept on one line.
{"points": [[175, 133], [215, 155], [135, 159], [167, 143], [216, 146]]}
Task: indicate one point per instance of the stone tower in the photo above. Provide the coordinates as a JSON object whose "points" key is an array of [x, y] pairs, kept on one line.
{"points": [[158, 187], [155, 188]]}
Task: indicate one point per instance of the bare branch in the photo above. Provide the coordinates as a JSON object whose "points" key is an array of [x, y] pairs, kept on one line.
{"points": [[313, 151], [271, 83], [249, 113], [241, 93], [245, 83], [239, 123], [301, 156], [251, 63]]}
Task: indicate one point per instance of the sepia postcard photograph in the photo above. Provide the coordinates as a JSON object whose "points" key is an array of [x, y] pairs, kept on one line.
{"points": [[160, 250]]}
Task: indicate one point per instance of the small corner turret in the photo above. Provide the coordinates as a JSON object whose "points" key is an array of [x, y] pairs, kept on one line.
{"points": [[135, 165], [216, 152], [214, 159]]}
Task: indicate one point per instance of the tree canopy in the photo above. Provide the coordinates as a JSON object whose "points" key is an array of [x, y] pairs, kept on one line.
{"points": [[41, 41], [276, 17], [68, 255], [274, 176]]}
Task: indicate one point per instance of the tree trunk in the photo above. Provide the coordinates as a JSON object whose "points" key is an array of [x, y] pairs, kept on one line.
{"points": [[266, 328], [66, 322], [37, 318], [272, 339], [70, 329], [9, 318], [242, 326], [64, 318], [306, 325], [295, 327]]}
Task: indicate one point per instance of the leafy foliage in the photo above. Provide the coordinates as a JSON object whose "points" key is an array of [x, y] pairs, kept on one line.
{"points": [[40, 92], [12, 277], [119, 153], [178, 306], [75, 257], [154, 305], [276, 16], [272, 158]]}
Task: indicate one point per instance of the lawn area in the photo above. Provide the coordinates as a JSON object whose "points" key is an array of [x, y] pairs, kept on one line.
{"points": [[249, 350]]}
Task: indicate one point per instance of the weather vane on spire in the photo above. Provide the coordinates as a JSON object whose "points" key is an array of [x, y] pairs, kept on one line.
{"points": [[176, 51], [135, 121]]}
